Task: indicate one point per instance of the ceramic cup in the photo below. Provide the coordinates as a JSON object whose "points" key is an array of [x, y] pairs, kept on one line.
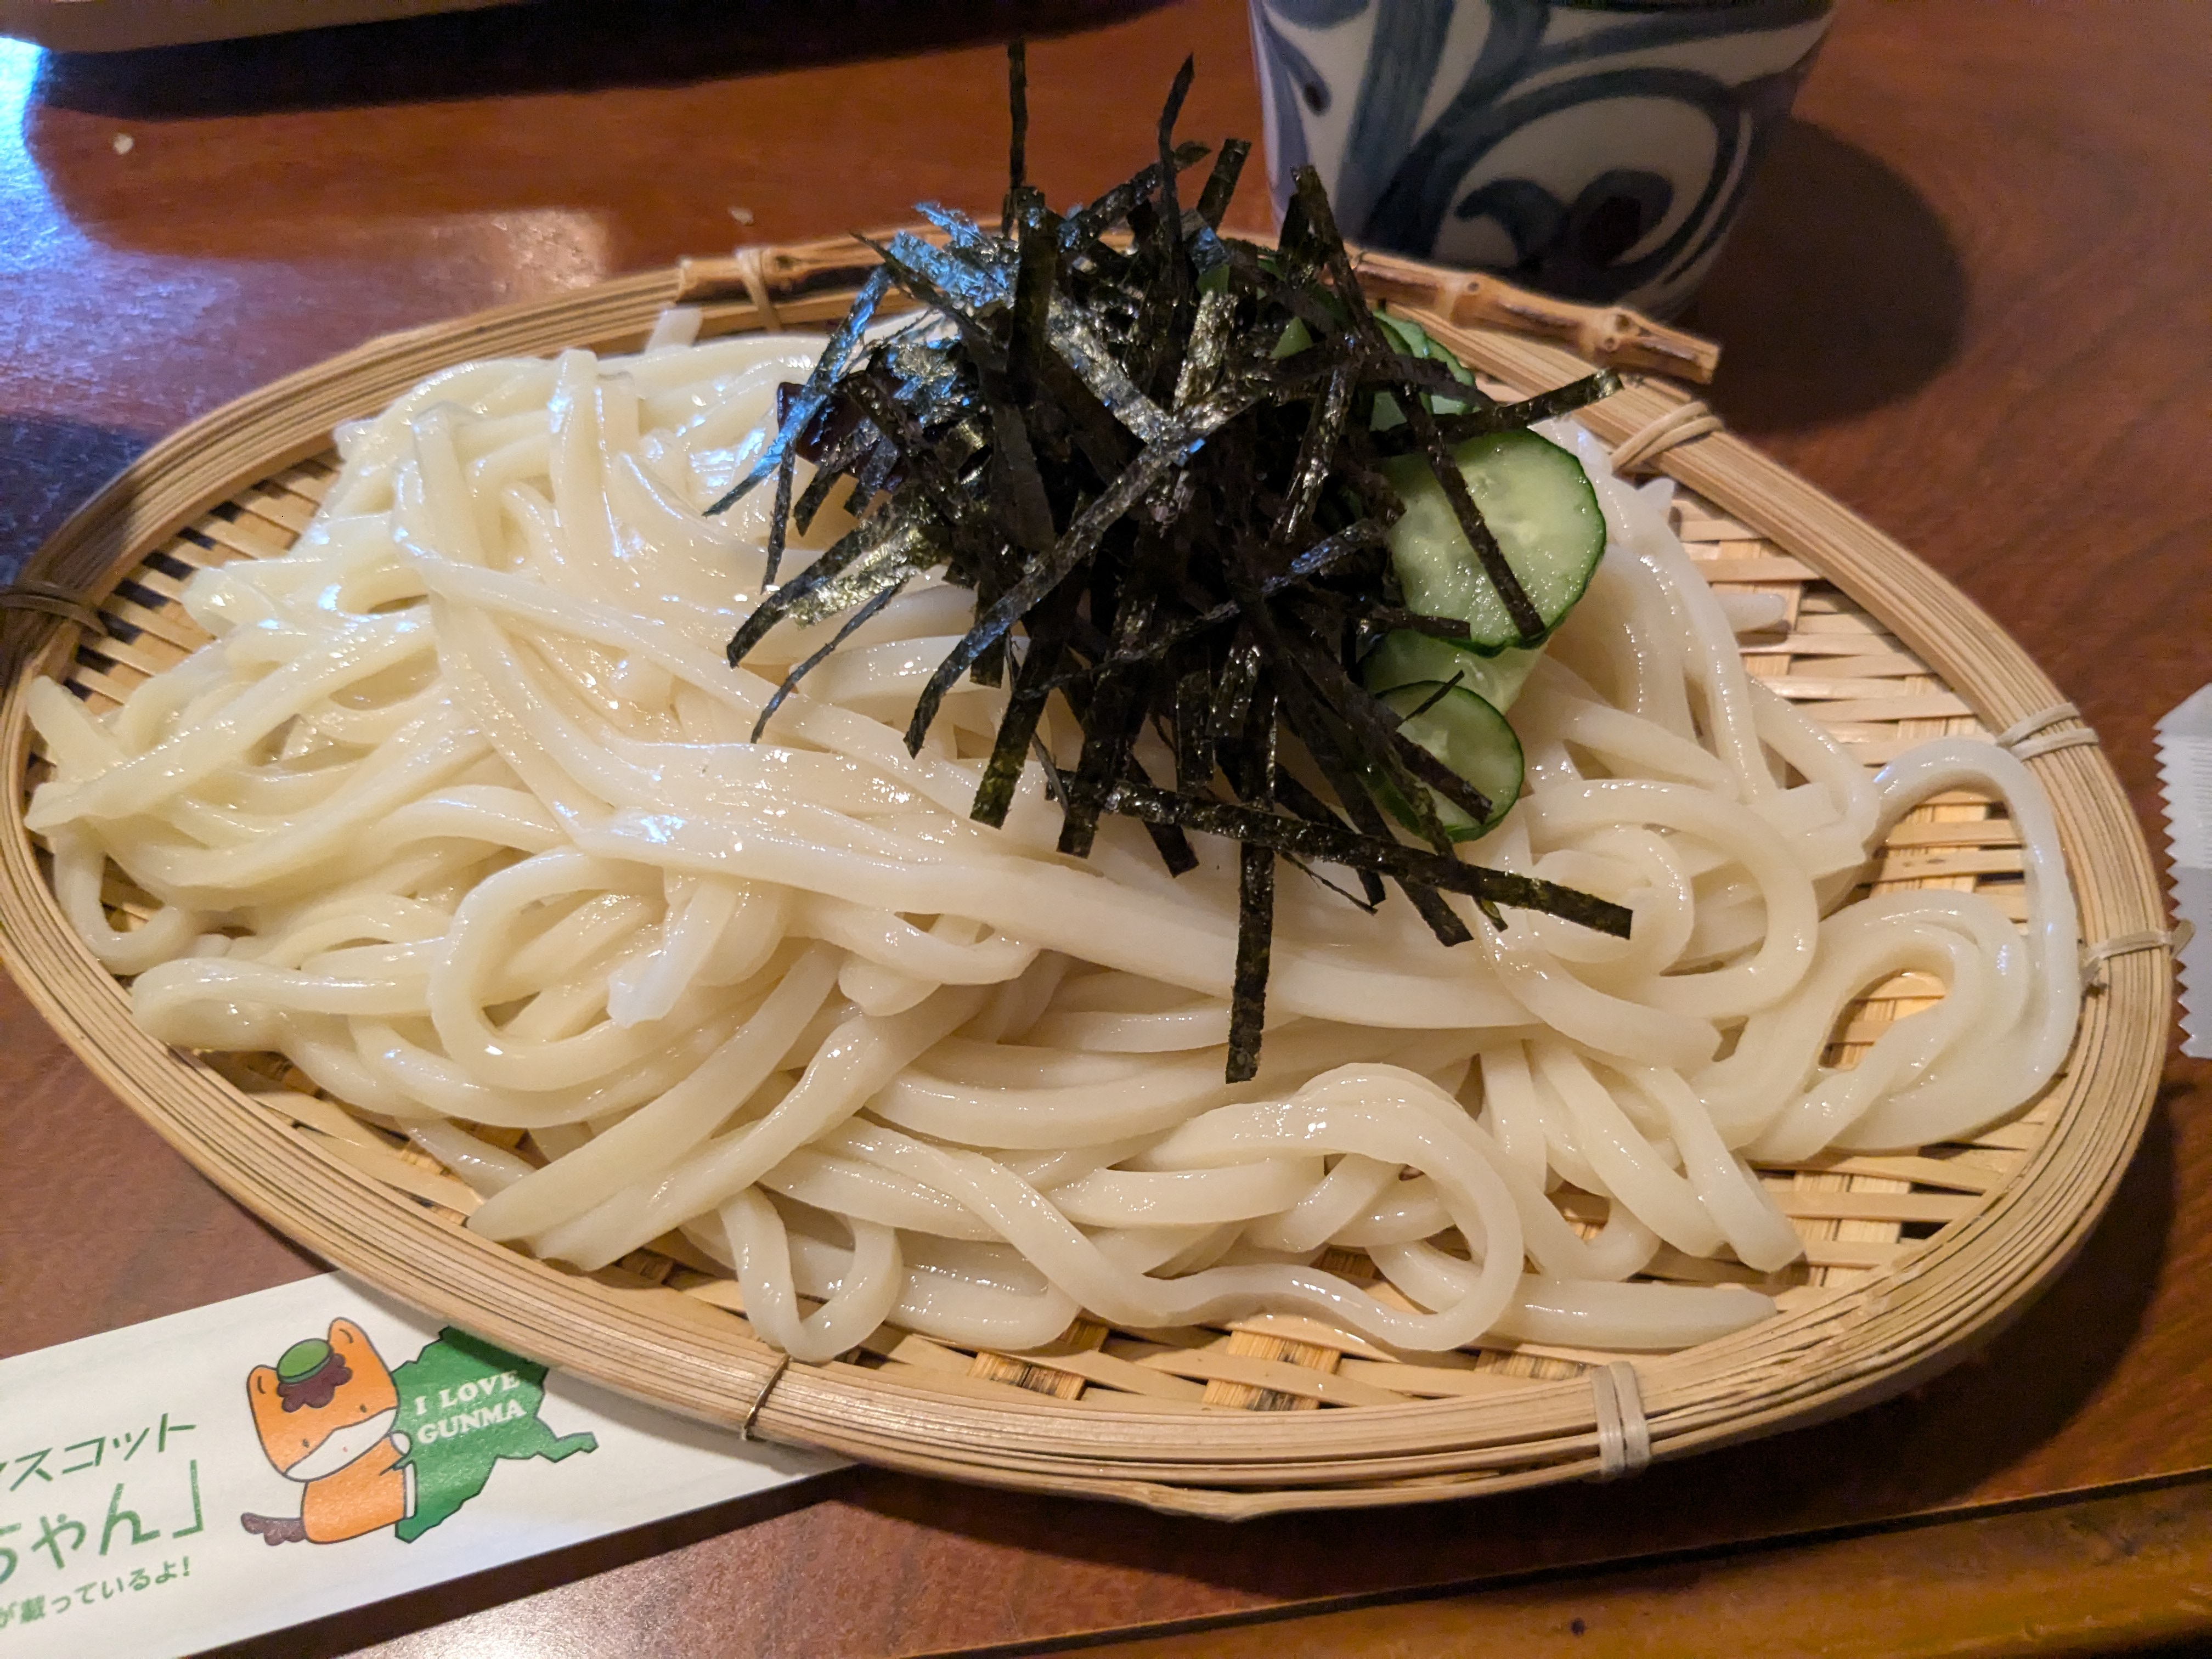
{"points": [[1598, 150]]}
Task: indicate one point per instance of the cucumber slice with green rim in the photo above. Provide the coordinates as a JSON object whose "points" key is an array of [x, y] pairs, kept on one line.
{"points": [[1410, 339], [1405, 658], [1467, 735], [1538, 503]]}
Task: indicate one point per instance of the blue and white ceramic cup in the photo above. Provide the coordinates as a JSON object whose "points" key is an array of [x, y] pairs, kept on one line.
{"points": [[1597, 150]]}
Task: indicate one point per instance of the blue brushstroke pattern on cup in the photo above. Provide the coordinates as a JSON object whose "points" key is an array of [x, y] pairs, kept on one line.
{"points": [[1427, 118]]}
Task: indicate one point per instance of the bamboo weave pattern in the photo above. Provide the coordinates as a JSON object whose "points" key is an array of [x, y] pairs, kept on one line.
{"points": [[1908, 1257], [1858, 1215]]}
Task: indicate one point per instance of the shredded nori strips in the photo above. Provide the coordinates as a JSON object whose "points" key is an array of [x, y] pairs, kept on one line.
{"points": [[1156, 453]]}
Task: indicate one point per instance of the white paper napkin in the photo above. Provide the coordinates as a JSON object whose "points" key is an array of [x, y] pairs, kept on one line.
{"points": [[2184, 768], [145, 1508]]}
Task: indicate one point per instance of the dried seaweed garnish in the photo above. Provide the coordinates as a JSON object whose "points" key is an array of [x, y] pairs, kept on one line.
{"points": [[1156, 453], [1506, 417]]}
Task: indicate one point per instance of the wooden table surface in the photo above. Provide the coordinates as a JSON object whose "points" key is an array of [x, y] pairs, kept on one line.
{"points": [[1968, 302]]}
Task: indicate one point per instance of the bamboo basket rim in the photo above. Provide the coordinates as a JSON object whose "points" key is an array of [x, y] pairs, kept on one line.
{"points": [[1912, 1319]]}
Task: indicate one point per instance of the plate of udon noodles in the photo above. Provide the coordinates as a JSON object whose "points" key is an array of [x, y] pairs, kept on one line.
{"points": [[389, 836]]}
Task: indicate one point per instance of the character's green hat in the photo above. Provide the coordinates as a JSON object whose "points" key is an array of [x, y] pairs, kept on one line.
{"points": [[303, 1360]]}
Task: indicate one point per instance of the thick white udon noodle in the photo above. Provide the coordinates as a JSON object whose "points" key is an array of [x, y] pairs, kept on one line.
{"points": [[458, 812]]}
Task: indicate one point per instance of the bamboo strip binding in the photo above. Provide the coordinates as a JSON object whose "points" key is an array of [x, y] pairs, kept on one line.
{"points": [[1908, 1256]]}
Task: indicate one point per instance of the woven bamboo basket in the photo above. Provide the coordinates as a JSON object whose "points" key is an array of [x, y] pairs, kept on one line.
{"points": [[1910, 1259]]}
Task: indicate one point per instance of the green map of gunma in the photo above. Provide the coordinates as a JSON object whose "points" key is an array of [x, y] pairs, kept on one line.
{"points": [[463, 1405]]}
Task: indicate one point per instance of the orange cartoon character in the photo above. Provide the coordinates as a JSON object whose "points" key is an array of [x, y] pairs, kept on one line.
{"points": [[325, 1412]]}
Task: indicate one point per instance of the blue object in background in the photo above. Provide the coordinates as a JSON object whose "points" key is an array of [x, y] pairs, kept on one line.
{"points": [[1599, 152]]}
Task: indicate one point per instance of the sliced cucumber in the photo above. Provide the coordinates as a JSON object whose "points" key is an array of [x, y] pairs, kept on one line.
{"points": [[1538, 503], [1467, 735], [1406, 659], [1410, 339]]}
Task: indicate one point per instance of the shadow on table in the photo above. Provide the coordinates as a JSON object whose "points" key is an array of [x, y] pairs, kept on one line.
{"points": [[1839, 291], [1926, 1449], [553, 45], [46, 468]]}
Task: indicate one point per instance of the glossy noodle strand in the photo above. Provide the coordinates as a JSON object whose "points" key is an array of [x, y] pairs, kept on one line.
{"points": [[458, 812]]}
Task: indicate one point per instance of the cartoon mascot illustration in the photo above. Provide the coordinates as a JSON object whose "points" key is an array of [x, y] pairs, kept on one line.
{"points": [[324, 1413], [401, 1448]]}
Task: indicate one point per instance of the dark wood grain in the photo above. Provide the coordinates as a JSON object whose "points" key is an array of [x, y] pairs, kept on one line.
{"points": [[2124, 1570], [1967, 300]]}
